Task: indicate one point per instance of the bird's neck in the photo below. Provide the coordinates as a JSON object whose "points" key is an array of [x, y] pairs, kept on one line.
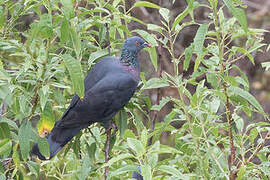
{"points": [[129, 58]]}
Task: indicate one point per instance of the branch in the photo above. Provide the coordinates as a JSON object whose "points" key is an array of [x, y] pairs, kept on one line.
{"points": [[258, 148]]}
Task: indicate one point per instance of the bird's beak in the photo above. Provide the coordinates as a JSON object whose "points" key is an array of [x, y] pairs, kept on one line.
{"points": [[147, 45]]}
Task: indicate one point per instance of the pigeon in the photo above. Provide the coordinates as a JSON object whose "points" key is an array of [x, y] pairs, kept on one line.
{"points": [[108, 88]]}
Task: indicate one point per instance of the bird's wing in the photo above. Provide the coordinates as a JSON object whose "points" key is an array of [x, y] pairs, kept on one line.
{"points": [[102, 101]]}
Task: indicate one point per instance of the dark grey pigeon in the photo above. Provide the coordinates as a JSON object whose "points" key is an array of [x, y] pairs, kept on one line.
{"points": [[108, 87]]}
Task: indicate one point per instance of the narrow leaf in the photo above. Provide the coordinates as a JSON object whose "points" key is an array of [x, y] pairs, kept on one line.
{"points": [[146, 4], [124, 169], [188, 55], [199, 38], [155, 83], [117, 158], [198, 44], [123, 122], [153, 56], [238, 13], [171, 170], [146, 172], [165, 14], [180, 17], [98, 54], [64, 30], [75, 72], [136, 146], [246, 95], [4, 130], [5, 146]]}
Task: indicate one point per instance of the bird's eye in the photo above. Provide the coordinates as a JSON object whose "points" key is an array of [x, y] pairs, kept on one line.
{"points": [[137, 43]]}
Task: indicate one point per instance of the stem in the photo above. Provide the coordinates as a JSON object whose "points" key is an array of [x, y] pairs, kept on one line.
{"points": [[220, 43]]}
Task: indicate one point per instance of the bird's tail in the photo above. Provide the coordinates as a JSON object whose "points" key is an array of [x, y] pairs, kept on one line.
{"points": [[57, 139]]}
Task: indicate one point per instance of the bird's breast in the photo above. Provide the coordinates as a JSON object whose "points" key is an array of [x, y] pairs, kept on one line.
{"points": [[135, 73]]}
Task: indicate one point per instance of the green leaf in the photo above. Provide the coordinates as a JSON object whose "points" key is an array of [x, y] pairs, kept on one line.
{"points": [[5, 146], [116, 2], [198, 44], [152, 159], [154, 27], [199, 38], [6, 95], [34, 168], [44, 147], [214, 104], [238, 13], [67, 8], [146, 4], [124, 169], [146, 172], [144, 137], [241, 173], [162, 103], [64, 30], [2, 177], [91, 151], [76, 41], [84, 169], [44, 93], [2, 16], [136, 146], [165, 14], [266, 65], [123, 122], [11, 123], [4, 130], [153, 56], [76, 75], [117, 158], [171, 170], [150, 38], [97, 55], [243, 51], [188, 55], [25, 135], [180, 17], [155, 83], [45, 26], [238, 121], [246, 95]]}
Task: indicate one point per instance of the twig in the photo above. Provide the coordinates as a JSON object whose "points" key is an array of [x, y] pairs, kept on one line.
{"points": [[230, 122]]}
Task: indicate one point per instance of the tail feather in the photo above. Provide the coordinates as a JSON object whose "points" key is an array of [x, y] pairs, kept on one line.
{"points": [[57, 139]]}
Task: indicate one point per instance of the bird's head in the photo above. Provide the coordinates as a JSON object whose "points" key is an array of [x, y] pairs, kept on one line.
{"points": [[135, 44]]}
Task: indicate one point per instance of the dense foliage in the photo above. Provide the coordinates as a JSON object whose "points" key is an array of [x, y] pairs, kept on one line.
{"points": [[43, 64]]}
